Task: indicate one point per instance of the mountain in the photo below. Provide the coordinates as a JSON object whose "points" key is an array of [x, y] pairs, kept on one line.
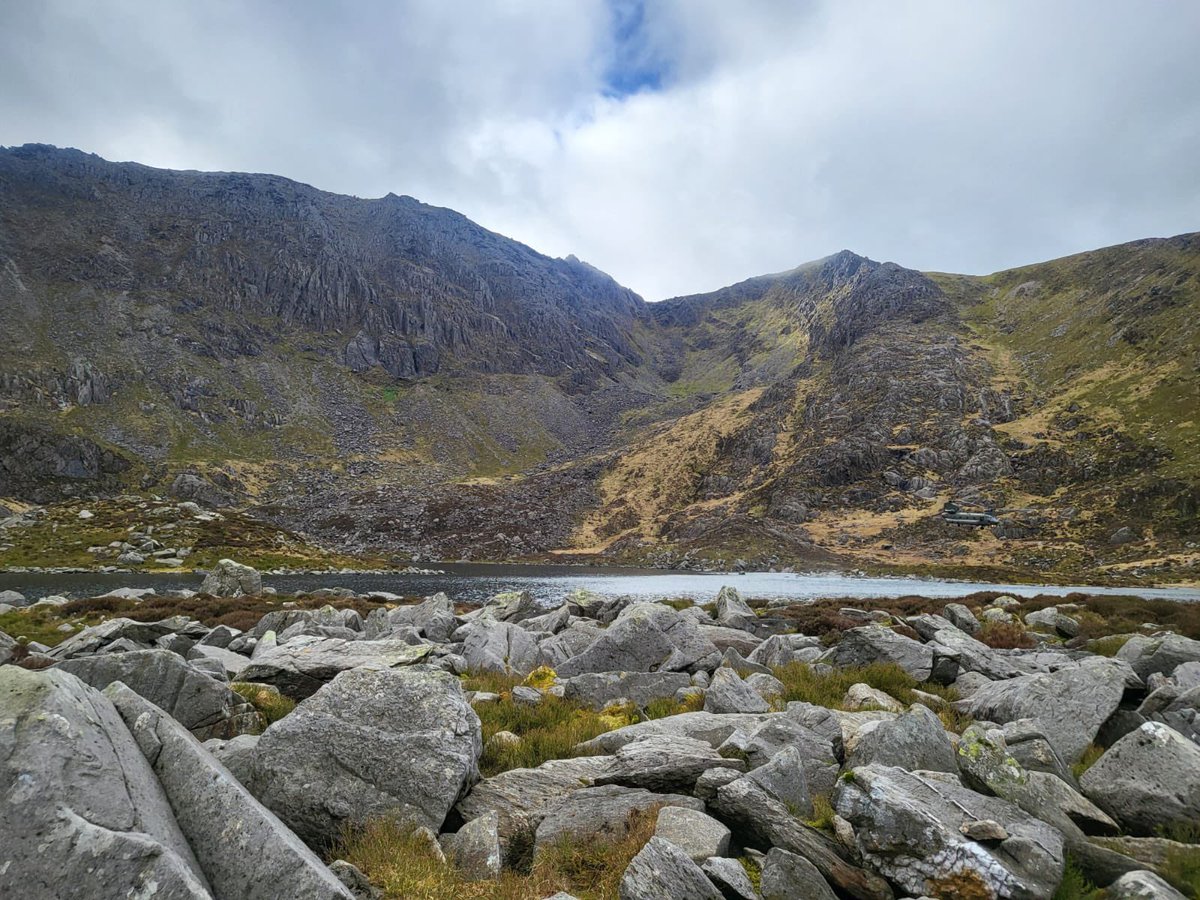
{"points": [[390, 379]]}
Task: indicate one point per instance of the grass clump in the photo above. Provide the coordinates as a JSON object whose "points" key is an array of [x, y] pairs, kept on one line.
{"points": [[753, 872], [270, 703], [1182, 868], [1108, 646], [404, 866], [822, 814], [1092, 753], [1075, 885]]}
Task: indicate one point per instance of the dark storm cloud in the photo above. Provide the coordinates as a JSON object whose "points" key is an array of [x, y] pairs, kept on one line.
{"points": [[678, 144]]}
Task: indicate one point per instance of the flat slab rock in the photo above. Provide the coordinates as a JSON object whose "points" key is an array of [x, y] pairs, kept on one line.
{"points": [[602, 813], [521, 797], [302, 665]]}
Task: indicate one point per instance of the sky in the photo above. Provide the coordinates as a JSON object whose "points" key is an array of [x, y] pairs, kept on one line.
{"points": [[680, 145]]}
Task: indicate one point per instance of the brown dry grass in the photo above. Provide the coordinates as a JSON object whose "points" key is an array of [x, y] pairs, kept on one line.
{"points": [[403, 866]]}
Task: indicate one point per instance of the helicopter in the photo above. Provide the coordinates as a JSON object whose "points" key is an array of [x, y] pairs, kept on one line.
{"points": [[953, 515]]}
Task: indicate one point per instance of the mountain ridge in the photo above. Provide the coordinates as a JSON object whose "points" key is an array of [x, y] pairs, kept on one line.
{"points": [[392, 378]]}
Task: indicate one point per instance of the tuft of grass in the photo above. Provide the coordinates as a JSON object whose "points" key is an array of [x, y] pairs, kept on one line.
{"points": [[753, 872], [403, 866], [802, 682], [272, 704], [1075, 885], [550, 729], [822, 814], [1087, 760], [1005, 636], [1108, 646], [662, 707], [1182, 869]]}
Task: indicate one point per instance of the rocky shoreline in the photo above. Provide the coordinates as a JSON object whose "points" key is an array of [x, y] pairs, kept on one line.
{"points": [[343, 746]]}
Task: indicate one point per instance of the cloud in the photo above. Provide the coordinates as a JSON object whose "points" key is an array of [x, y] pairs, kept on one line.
{"points": [[679, 144]]}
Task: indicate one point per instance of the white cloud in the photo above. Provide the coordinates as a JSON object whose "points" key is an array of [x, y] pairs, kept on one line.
{"points": [[961, 137]]}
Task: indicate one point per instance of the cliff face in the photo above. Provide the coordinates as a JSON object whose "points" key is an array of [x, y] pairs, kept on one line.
{"points": [[389, 375]]}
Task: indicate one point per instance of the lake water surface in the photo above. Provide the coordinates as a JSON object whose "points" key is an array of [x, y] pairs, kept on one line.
{"points": [[477, 582]]}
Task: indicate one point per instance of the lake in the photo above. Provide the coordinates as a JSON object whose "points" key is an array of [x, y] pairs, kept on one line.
{"points": [[549, 584]]}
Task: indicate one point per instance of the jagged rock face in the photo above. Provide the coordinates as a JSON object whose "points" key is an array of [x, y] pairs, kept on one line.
{"points": [[418, 288]]}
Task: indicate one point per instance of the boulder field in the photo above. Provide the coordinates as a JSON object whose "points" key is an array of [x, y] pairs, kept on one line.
{"points": [[133, 765]]}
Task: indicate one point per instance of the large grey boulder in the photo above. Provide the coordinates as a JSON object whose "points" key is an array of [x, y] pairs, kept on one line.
{"points": [[877, 644], [475, 848], [244, 850], [501, 647], [1147, 780], [521, 797], [602, 813], [696, 833], [228, 662], [759, 744], [727, 693], [728, 876], [664, 763], [987, 766], [8, 648], [373, 742], [1141, 885], [733, 612], [1180, 709], [1050, 619], [646, 637], [712, 728], [784, 778], [433, 618], [301, 666], [125, 634], [788, 876], [203, 705], [1161, 653], [973, 656], [235, 754], [599, 689], [781, 649], [232, 579], [913, 828], [913, 740], [661, 871], [766, 822], [14, 599], [962, 618], [1070, 704], [83, 817]]}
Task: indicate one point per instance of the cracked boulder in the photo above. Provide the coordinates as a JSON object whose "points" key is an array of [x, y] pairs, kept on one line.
{"points": [[83, 815], [204, 706], [373, 742], [931, 836]]}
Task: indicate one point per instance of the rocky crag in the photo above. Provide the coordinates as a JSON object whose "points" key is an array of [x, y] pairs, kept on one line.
{"points": [[391, 379], [954, 769]]}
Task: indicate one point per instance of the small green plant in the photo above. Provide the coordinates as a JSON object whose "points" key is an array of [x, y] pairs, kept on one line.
{"points": [[753, 872], [272, 704], [822, 814], [1182, 868], [1092, 753], [1075, 885]]}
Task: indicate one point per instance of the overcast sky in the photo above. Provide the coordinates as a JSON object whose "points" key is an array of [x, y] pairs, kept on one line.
{"points": [[679, 145]]}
